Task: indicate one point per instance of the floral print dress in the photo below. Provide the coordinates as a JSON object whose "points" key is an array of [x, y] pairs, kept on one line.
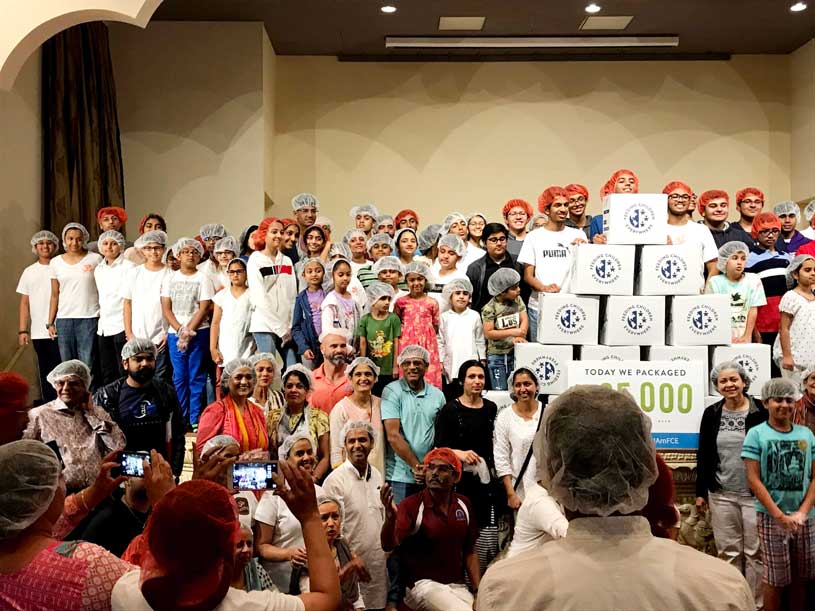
{"points": [[420, 319]]}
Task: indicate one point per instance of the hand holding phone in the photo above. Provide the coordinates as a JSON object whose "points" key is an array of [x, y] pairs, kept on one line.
{"points": [[256, 475], [131, 464]]}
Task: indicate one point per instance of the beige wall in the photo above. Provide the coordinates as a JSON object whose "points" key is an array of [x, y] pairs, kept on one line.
{"points": [[802, 119], [20, 198], [269, 106], [191, 114], [466, 136]]}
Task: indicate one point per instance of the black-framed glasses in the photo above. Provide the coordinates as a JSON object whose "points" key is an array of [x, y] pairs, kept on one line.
{"points": [[679, 198], [235, 272], [500, 240]]}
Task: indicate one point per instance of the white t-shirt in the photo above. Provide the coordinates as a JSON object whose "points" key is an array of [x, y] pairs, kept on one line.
{"points": [[127, 596], [35, 281], [809, 232], [143, 289], [186, 292], [234, 339], [551, 252], [210, 269], [695, 233], [109, 281], [77, 287]]}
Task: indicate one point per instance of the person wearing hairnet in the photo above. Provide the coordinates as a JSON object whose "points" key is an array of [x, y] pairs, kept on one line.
{"points": [[186, 298], [364, 217], [475, 228], [210, 234], [547, 252], [152, 221], [305, 207], [145, 407], [714, 206], [778, 456], [495, 236], [596, 457], [809, 217], [34, 288], [721, 480], [744, 288], [111, 275], [37, 570], [447, 267], [770, 265], [749, 203], [461, 332], [385, 224], [794, 348], [516, 213], [405, 244], [84, 432], [223, 251], [110, 218], [229, 337], [621, 181], [506, 323], [235, 415], [355, 483], [379, 332], [433, 533], [73, 311], [406, 218], [790, 239], [681, 230], [377, 246], [578, 200], [805, 412]]}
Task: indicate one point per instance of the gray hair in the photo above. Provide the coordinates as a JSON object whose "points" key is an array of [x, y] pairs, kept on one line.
{"points": [[728, 365]]}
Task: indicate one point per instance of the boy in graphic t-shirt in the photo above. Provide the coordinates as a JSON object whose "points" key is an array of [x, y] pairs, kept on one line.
{"points": [[505, 324], [778, 457]]}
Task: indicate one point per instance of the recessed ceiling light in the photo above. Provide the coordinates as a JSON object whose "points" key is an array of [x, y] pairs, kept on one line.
{"points": [[388, 9], [798, 7], [461, 23], [593, 8]]}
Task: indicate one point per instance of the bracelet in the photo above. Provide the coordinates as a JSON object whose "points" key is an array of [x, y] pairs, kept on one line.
{"points": [[81, 496], [23, 333]]}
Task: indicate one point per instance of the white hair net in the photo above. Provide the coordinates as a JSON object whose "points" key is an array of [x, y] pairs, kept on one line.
{"points": [[232, 366], [727, 366], [183, 243], [413, 351], [727, 250], [528, 371], [379, 238], [383, 219], [354, 425], [298, 368], [388, 263], [288, 444], [351, 233], [808, 371], [257, 357], [227, 244], [540, 215], [399, 233], [362, 360], [343, 333], [454, 243], [428, 237], [472, 215], [794, 266], [85, 235], [787, 207], [338, 249], [304, 200], [451, 218], [780, 388], [417, 267], [335, 262], [377, 290], [323, 499], [305, 262], [458, 284], [809, 211], [501, 280], [41, 236], [595, 453], [326, 223], [111, 235], [219, 441], [155, 237], [364, 209], [137, 345], [212, 230], [66, 369], [29, 478]]}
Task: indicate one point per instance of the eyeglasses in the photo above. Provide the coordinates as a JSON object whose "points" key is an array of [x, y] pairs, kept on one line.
{"points": [[517, 213], [500, 240], [235, 272], [152, 248], [679, 198]]}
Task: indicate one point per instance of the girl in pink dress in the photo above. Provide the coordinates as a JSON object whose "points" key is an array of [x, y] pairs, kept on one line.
{"points": [[420, 318]]}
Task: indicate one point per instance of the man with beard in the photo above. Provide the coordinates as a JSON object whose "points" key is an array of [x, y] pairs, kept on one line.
{"points": [[144, 407], [435, 533], [331, 383]]}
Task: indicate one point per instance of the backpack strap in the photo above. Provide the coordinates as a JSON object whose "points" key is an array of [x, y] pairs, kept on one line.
{"points": [[420, 514]]}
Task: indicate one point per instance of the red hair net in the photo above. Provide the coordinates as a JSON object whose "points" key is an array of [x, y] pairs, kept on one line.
{"points": [[13, 392], [609, 186], [447, 455], [287, 221], [709, 195], [404, 214], [546, 198], [190, 539], [516, 203], [259, 242], [120, 212], [677, 184], [576, 189], [660, 510], [741, 194], [762, 221]]}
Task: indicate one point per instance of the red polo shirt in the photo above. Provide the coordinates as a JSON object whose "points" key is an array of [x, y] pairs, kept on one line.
{"points": [[438, 549], [325, 394]]}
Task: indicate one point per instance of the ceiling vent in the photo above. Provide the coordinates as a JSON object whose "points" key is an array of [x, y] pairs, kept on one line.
{"points": [[606, 22], [473, 24]]}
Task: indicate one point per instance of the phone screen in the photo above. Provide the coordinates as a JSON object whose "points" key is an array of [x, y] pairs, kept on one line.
{"points": [[254, 475], [133, 463]]}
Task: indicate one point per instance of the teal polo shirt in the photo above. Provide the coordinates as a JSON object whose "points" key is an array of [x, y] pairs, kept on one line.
{"points": [[416, 413]]}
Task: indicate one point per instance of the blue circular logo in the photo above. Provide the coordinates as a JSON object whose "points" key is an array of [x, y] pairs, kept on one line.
{"points": [[606, 268], [639, 218], [637, 319], [671, 269]]}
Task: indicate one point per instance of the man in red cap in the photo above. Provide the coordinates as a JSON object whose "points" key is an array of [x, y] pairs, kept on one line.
{"points": [[749, 202], [578, 200], [435, 533], [110, 218], [714, 206]]}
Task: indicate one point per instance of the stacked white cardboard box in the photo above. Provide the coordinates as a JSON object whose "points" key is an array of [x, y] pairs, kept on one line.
{"points": [[636, 298]]}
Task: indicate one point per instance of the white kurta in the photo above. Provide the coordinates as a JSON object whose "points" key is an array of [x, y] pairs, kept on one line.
{"points": [[461, 338], [511, 441]]}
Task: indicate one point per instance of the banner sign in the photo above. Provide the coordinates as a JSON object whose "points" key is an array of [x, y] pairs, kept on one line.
{"points": [[671, 393]]}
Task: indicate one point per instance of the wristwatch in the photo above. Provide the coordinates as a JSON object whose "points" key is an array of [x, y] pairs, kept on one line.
{"points": [[48, 325]]}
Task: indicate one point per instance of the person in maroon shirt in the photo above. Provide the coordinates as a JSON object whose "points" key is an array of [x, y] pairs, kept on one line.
{"points": [[435, 533]]}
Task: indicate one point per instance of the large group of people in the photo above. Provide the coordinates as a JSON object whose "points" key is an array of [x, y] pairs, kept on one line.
{"points": [[359, 365]]}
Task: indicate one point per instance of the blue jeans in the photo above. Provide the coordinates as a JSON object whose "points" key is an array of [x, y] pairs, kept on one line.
{"points": [[532, 334], [269, 342], [396, 590], [500, 366], [76, 338], [190, 372]]}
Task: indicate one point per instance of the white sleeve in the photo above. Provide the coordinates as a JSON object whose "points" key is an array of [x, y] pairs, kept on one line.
{"points": [[527, 254], [24, 285], [335, 429], [257, 286], [126, 288], [547, 517], [500, 446], [327, 312], [478, 336], [267, 509], [441, 338], [165, 285], [207, 289], [709, 250]]}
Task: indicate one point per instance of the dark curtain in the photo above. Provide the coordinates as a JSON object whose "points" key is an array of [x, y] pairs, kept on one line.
{"points": [[82, 153]]}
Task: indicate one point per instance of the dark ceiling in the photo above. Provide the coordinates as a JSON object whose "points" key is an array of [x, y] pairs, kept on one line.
{"points": [[356, 29]]}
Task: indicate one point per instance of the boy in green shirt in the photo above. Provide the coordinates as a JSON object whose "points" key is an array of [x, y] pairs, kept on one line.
{"points": [[379, 332]]}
